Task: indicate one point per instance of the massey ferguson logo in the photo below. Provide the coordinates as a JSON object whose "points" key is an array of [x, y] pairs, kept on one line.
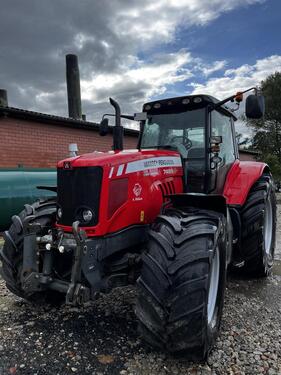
{"points": [[158, 163], [67, 165], [137, 189]]}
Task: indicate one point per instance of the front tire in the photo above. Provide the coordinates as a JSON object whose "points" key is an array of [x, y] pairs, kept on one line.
{"points": [[258, 218], [12, 253], [182, 282]]}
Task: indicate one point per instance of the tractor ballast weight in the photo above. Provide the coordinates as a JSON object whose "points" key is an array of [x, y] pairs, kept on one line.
{"points": [[171, 216]]}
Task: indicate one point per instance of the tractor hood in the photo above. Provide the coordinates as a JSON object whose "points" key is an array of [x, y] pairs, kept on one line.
{"points": [[157, 158]]}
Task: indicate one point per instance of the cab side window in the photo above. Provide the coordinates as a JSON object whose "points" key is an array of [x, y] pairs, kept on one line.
{"points": [[221, 126]]}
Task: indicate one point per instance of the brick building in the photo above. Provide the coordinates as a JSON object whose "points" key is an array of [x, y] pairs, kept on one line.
{"points": [[248, 155], [38, 140]]}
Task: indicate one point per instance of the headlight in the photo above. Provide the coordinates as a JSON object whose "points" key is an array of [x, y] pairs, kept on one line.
{"points": [[87, 215], [197, 99], [59, 213]]}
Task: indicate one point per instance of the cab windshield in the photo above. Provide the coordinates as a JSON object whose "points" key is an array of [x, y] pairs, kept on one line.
{"points": [[179, 131]]}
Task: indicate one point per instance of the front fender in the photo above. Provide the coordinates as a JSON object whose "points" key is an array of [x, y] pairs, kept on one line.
{"points": [[240, 178], [203, 201], [207, 202]]}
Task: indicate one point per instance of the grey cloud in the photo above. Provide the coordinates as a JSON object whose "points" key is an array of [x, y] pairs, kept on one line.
{"points": [[36, 34]]}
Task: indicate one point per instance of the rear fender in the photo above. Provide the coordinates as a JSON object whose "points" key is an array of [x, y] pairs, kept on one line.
{"points": [[240, 179]]}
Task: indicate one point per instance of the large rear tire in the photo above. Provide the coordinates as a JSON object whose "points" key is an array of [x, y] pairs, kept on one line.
{"points": [[182, 282], [12, 253], [258, 218]]}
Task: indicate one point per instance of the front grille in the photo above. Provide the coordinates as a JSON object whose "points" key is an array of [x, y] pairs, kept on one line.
{"points": [[79, 189]]}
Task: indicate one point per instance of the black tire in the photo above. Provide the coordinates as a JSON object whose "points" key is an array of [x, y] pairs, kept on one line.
{"points": [[12, 252], [258, 235], [172, 303]]}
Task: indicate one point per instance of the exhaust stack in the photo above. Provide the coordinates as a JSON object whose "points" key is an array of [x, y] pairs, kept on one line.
{"points": [[118, 131], [73, 87]]}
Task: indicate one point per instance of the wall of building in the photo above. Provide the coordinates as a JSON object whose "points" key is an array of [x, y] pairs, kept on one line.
{"points": [[33, 144]]}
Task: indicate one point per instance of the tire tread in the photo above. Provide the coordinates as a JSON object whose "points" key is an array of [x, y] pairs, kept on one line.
{"points": [[167, 320], [257, 263]]}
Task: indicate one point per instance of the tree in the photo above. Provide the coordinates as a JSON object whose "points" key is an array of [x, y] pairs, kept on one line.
{"points": [[267, 131]]}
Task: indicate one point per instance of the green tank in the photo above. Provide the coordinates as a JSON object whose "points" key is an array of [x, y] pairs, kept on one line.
{"points": [[19, 186]]}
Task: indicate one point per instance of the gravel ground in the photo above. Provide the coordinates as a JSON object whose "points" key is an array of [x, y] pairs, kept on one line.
{"points": [[102, 338]]}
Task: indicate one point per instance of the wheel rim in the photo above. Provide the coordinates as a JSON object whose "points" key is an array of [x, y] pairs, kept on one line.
{"points": [[213, 289], [268, 225]]}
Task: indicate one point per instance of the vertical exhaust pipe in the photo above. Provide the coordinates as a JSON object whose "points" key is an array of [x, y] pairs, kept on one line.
{"points": [[73, 87], [118, 131]]}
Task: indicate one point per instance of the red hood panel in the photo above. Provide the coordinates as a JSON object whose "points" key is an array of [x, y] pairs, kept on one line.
{"points": [[113, 158]]}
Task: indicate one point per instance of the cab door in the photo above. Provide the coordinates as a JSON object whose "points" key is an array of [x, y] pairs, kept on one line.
{"points": [[222, 125]]}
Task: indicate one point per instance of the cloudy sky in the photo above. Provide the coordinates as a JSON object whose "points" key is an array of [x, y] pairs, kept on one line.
{"points": [[135, 50]]}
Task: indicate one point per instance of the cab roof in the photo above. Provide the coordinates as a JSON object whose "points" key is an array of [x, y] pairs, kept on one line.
{"points": [[184, 103]]}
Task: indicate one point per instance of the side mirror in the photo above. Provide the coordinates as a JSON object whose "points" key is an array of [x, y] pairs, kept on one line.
{"points": [[103, 130], [255, 106]]}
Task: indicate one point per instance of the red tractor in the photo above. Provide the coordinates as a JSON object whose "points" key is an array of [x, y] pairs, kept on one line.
{"points": [[171, 216]]}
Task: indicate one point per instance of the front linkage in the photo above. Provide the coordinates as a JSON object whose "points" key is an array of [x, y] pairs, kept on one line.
{"points": [[78, 293], [36, 248], [94, 266]]}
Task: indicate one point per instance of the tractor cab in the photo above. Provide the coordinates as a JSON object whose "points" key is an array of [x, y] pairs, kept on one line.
{"points": [[199, 127], [202, 133]]}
